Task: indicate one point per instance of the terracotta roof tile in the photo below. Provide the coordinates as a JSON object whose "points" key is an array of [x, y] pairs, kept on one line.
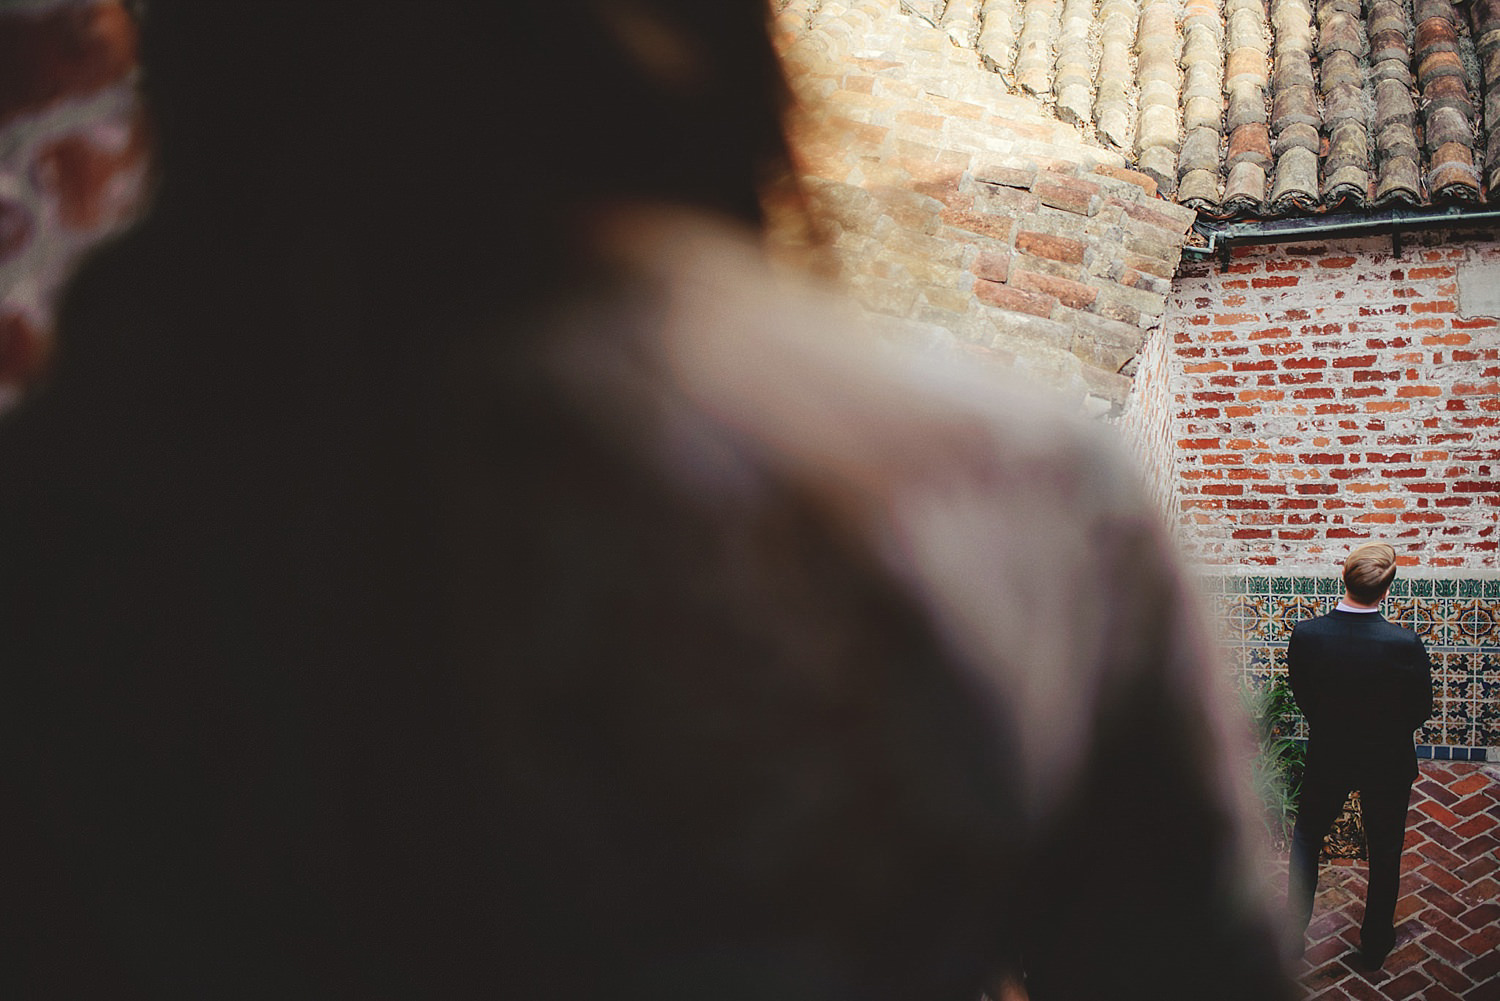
{"points": [[996, 39], [1294, 109], [1262, 107], [1446, 108], [1074, 75], [1486, 18], [961, 21], [1230, 108], [1247, 42], [1114, 84], [1159, 82], [1034, 53], [1347, 110]]}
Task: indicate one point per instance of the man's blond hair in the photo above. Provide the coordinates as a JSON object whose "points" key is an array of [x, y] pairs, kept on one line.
{"points": [[1368, 572]]}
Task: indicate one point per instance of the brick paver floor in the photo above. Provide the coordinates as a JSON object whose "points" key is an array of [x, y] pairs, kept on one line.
{"points": [[1448, 914]]}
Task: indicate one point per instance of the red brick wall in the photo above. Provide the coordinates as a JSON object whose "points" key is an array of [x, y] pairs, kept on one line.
{"points": [[1324, 393], [71, 160]]}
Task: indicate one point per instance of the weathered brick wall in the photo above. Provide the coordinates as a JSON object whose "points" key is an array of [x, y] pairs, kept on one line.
{"points": [[963, 212], [1327, 393], [1148, 424], [71, 159]]}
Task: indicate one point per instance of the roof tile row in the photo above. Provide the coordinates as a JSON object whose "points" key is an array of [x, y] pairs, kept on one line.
{"points": [[1486, 17], [1237, 108]]}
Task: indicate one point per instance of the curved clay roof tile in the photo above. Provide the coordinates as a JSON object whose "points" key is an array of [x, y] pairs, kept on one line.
{"points": [[1247, 30], [1296, 181], [1340, 69], [1390, 43], [1346, 186], [1289, 16], [1112, 107], [1346, 103], [1492, 161], [996, 40], [1293, 36], [1202, 112], [1423, 10], [1246, 64], [1400, 183], [1398, 70], [1206, 11], [1439, 63], [961, 22], [1294, 72], [1385, 17], [1453, 153], [1347, 147], [1393, 102], [1199, 189], [1341, 32], [1447, 126], [1458, 102], [1245, 191], [1454, 181], [1486, 19], [1294, 106], [1247, 106], [1200, 151], [1486, 11], [1074, 75], [1252, 142], [1034, 55], [1437, 34], [1396, 142], [1297, 136]]}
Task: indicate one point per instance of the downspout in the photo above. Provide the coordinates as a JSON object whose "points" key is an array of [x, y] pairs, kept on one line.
{"points": [[1221, 237]]}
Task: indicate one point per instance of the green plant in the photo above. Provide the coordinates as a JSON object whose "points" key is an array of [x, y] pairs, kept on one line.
{"points": [[1280, 758]]}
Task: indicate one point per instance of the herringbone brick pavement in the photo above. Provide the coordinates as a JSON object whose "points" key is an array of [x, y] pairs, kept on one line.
{"points": [[1448, 914]]}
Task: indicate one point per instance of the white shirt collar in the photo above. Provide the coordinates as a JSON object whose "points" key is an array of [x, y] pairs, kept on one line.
{"points": [[1342, 607]]}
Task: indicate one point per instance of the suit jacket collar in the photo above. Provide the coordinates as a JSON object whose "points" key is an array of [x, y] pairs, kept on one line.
{"points": [[1375, 616]]}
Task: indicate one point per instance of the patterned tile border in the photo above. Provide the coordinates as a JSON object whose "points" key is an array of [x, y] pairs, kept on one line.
{"points": [[1444, 752], [1457, 617]]}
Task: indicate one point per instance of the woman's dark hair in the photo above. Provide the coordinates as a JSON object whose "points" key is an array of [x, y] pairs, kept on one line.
{"points": [[460, 137]]}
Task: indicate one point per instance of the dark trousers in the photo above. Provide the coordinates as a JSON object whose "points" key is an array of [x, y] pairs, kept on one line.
{"points": [[1383, 808]]}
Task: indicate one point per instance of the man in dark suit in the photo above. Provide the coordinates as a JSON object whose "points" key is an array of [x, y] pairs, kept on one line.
{"points": [[1364, 685]]}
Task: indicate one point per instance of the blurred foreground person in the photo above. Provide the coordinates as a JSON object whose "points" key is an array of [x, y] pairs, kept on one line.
{"points": [[1364, 685], [447, 562]]}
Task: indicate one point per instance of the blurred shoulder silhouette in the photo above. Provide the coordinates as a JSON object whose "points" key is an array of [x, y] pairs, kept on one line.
{"points": [[448, 561]]}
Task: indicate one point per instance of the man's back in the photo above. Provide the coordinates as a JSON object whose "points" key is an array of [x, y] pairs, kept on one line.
{"points": [[1364, 684]]}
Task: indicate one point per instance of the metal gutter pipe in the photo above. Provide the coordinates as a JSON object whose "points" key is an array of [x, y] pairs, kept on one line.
{"points": [[1221, 236]]}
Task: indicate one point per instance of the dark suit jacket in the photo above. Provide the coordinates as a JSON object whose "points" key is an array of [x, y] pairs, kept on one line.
{"points": [[1364, 685]]}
